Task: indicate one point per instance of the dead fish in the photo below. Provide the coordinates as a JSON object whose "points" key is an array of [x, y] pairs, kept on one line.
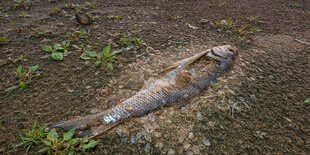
{"points": [[83, 18], [175, 85]]}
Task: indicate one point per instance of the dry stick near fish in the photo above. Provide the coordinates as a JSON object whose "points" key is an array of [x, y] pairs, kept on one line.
{"points": [[177, 83]]}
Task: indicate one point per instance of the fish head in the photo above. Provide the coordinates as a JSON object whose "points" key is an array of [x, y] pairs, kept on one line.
{"points": [[226, 51]]}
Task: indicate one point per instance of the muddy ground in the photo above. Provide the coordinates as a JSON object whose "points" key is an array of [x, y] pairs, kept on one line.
{"points": [[259, 109]]}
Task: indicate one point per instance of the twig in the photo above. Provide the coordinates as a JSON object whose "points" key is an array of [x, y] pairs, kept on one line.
{"points": [[233, 109], [302, 42]]}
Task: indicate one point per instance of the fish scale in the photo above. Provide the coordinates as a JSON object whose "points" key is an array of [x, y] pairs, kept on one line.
{"points": [[175, 87]]}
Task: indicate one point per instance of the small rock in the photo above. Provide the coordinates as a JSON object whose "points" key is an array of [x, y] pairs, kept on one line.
{"points": [[171, 152], [152, 117], [88, 87], [97, 73], [83, 18], [70, 90], [196, 149], [230, 101], [147, 148], [189, 153], [199, 116], [138, 135], [188, 50], [133, 139], [252, 97], [148, 138], [45, 40], [206, 142], [241, 99], [124, 139], [186, 146], [159, 145], [121, 86], [191, 135], [157, 134]]}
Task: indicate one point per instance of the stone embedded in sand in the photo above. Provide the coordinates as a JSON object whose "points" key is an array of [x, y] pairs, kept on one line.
{"points": [[189, 153], [199, 116], [133, 140], [206, 142], [186, 146], [152, 117], [83, 18], [171, 152], [157, 134], [138, 135], [191, 135], [147, 147], [196, 149], [159, 145]]}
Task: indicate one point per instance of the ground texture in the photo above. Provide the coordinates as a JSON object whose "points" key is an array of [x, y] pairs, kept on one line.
{"points": [[259, 109]]}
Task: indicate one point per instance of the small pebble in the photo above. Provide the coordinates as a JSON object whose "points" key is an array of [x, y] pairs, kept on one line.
{"points": [[88, 87], [147, 147], [152, 117], [191, 135], [189, 153], [196, 149], [171, 152], [157, 134], [206, 142], [159, 145], [138, 135], [148, 138], [97, 73], [133, 139], [230, 101], [199, 116], [252, 97]]}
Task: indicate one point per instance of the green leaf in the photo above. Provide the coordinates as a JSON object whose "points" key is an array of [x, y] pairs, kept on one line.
{"points": [[47, 48], [85, 140], [57, 47], [22, 84], [63, 43], [19, 69], [71, 153], [48, 143], [307, 101], [11, 89], [73, 141], [67, 44], [106, 50], [52, 135], [110, 66], [34, 68], [44, 150], [92, 54], [45, 56], [89, 55], [91, 144], [97, 63], [68, 135], [57, 56], [76, 47]]}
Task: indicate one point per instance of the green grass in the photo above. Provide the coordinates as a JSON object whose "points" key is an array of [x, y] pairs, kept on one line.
{"points": [[32, 137], [52, 143], [56, 54], [105, 56]]}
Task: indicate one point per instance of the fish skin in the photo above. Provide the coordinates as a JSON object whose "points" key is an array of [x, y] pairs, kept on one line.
{"points": [[175, 87]]}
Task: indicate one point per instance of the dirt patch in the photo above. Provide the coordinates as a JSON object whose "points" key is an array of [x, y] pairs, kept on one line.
{"points": [[259, 109]]}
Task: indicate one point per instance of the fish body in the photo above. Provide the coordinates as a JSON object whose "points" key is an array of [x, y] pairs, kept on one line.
{"points": [[176, 85]]}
